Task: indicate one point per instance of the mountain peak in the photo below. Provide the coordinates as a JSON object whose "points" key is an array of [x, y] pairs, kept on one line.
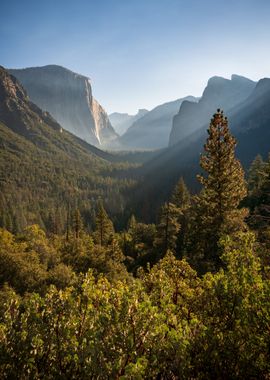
{"points": [[216, 80], [240, 78]]}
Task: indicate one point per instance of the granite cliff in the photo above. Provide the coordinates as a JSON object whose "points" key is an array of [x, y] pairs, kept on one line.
{"points": [[67, 96]]}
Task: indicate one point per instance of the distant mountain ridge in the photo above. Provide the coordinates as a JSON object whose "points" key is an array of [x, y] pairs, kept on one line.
{"points": [[122, 121], [249, 122], [219, 93], [152, 130], [68, 97]]}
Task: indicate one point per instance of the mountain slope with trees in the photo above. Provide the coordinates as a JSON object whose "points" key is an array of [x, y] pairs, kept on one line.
{"points": [[44, 168]]}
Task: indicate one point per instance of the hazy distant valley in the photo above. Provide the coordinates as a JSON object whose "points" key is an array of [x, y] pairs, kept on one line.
{"points": [[155, 146]]}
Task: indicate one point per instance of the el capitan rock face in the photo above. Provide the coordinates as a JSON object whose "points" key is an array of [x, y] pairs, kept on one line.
{"points": [[219, 93], [68, 98]]}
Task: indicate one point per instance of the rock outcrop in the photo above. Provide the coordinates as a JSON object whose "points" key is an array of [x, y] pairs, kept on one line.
{"points": [[67, 96]]}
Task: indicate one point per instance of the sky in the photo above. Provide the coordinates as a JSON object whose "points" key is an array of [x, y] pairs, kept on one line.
{"points": [[139, 53]]}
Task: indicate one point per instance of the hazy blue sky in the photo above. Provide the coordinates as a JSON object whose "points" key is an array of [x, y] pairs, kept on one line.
{"points": [[139, 53]]}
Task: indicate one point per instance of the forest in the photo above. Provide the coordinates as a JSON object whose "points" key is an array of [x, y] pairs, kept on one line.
{"points": [[187, 297]]}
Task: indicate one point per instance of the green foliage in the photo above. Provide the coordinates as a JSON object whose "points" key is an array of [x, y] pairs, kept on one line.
{"points": [[236, 312], [167, 228], [168, 324], [182, 199], [181, 196], [215, 210], [77, 223], [256, 175], [138, 245], [30, 261], [260, 216], [20, 265], [103, 226]]}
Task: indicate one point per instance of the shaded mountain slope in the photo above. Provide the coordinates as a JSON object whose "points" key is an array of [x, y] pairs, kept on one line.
{"points": [[219, 93], [153, 129], [249, 123]]}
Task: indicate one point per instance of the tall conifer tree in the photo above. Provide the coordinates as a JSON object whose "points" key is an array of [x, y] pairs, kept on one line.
{"points": [[181, 198], [167, 228], [77, 223], [181, 195], [103, 226], [257, 175], [215, 210]]}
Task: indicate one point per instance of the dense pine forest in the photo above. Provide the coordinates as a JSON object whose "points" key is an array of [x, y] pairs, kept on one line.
{"points": [[186, 297]]}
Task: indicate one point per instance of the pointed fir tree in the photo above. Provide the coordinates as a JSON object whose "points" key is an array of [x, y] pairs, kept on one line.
{"points": [[181, 198], [167, 229], [54, 224], [103, 226], [260, 216], [215, 209], [68, 222], [256, 175], [77, 223], [181, 195], [131, 223]]}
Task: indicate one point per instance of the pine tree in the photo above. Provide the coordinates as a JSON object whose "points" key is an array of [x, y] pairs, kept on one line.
{"points": [[257, 175], [77, 223], [131, 223], [68, 222], [260, 217], [257, 178], [54, 222], [181, 198], [103, 226], [167, 229], [215, 210], [181, 195]]}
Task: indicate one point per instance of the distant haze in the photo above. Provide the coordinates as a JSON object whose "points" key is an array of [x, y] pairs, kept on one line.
{"points": [[139, 54]]}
